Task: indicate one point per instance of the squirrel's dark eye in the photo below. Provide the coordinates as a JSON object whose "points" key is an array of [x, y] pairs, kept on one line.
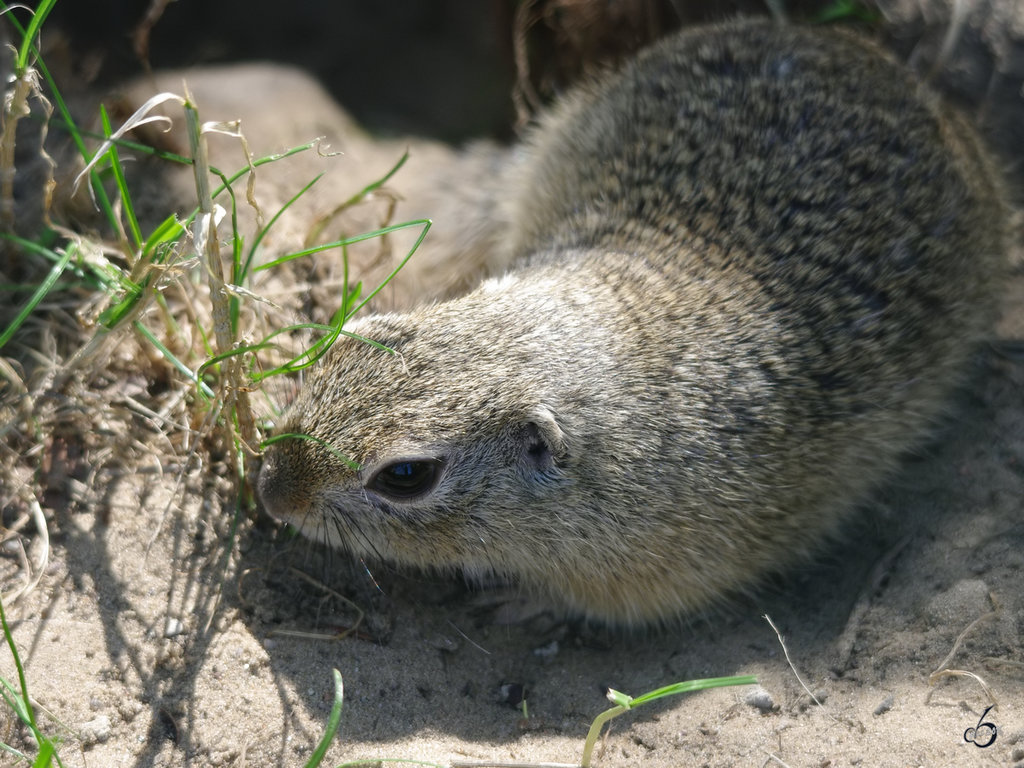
{"points": [[406, 479]]}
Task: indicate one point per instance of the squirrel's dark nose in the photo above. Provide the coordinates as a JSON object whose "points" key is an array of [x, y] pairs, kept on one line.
{"points": [[273, 487]]}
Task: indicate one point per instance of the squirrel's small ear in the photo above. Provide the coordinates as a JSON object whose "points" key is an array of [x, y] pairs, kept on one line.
{"points": [[543, 440]]}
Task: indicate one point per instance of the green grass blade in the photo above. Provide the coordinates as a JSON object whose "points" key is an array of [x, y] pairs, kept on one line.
{"points": [[273, 220], [291, 329], [291, 366], [29, 35], [385, 178], [846, 10], [120, 182], [375, 185], [44, 287], [121, 142], [314, 351], [691, 686], [14, 701], [241, 349], [179, 366], [332, 723], [169, 231], [62, 107], [29, 716], [46, 755], [227, 181], [12, 751], [626, 703], [113, 316], [389, 760], [425, 223]]}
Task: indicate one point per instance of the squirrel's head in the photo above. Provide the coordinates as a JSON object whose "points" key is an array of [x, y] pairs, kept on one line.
{"points": [[431, 453]]}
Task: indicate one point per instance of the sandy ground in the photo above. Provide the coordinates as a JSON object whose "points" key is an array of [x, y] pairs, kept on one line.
{"points": [[167, 658], [167, 631]]}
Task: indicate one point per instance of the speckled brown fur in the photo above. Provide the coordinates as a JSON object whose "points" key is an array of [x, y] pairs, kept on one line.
{"points": [[749, 268]]}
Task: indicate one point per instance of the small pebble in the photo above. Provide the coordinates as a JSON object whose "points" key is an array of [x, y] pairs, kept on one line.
{"points": [[445, 643], [173, 627], [548, 651], [512, 693], [760, 699], [885, 706], [96, 731]]}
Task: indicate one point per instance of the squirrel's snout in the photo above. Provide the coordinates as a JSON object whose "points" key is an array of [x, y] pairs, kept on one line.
{"points": [[272, 485]]}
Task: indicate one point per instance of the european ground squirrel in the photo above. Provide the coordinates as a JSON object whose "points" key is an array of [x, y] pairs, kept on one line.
{"points": [[748, 268]]}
